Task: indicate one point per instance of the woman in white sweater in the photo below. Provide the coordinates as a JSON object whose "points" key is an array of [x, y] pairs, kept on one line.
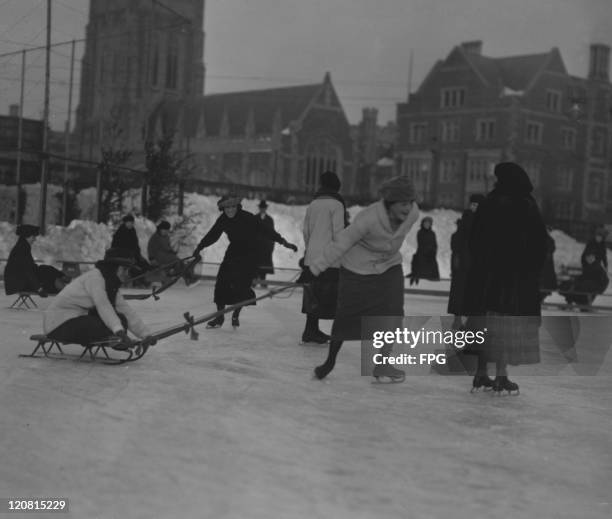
{"points": [[371, 277], [92, 309]]}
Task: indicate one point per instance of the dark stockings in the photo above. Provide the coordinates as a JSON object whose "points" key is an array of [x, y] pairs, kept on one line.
{"points": [[324, 369]]}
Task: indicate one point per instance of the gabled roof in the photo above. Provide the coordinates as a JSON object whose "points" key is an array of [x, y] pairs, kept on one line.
{"points": [[289, 102], [513, 72]]}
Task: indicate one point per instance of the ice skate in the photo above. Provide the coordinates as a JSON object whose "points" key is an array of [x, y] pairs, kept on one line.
{"points": [[386, 374], [317, 337], [235, 322], [502, 383], [217, 322], [320, 372], [482, 381]]}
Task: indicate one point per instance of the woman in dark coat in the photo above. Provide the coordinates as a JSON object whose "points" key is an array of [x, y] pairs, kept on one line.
{"points": [[508, 249], [21, 273], [460, 260], [424, 262], [239, 266], [126, 238], [597, 247], [265, 265]]}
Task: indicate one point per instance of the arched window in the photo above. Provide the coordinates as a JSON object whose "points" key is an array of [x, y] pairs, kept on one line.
{"points": [[321, 154]]}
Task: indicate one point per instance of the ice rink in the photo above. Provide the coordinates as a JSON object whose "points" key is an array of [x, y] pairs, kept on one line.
{"points": [[233, 426]]}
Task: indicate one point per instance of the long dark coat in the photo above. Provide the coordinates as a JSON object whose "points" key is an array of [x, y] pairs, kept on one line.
{"points": [[508, 249], [460, 263], [265, 265], [21, 271], [237, 271], [424, 262], [125, 238], [548, 279]]}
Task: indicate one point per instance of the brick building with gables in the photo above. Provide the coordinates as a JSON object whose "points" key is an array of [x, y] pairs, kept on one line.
{"points": [[472, 111]]}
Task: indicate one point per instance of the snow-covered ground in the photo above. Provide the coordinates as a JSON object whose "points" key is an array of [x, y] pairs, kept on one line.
{"points": [[233, 426], [87, 241]]}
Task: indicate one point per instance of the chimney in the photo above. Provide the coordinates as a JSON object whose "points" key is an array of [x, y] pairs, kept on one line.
{"points": [[14, 110], [472, 47], [599, 63]]}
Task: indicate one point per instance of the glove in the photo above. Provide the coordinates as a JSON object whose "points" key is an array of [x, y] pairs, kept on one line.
{"points": [[290, 246], [125, 343], [148, 341], [306, 276], [42, 293]]}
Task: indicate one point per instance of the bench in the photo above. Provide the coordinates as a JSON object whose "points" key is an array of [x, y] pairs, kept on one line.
{"points": [[22, 300], [94, 351]]}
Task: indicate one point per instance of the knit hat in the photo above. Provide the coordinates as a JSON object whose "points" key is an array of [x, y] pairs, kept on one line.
{"points": [[163, 225], [228, 201], [512, 178], [121, 257], [330, 180], [427, 219], [127, 218], [27, 230], [263, 204], [397, 189], [476, 198]]}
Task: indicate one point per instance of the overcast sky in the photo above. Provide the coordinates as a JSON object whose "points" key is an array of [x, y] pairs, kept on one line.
{"points": [[365, 44]]}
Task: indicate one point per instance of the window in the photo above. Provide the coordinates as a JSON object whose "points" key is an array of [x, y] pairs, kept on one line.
{"points": [[595, 187], [480, 170], [172, 62], [568, 138], [449, 170], [565, 178], [452, 97], [321, 155], [416, 169], [564, 209], [533, 169], [485, 130], [449, 131], [534, 133], [553, 100], [417, 133], [598, 142], [155, 64]]}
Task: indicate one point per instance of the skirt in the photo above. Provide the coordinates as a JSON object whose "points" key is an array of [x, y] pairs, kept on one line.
{"points": [[234, 281], [366, 295], [509, 339]]}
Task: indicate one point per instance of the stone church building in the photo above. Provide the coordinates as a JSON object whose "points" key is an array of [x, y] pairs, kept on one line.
{"points": [[143, 78]]}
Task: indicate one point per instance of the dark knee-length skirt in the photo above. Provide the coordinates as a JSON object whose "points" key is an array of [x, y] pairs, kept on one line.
{"points": [[366, 295], [234, 280]]}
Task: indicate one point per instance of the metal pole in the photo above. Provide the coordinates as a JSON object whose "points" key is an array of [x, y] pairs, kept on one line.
{"points": [[18, 208], [67, 140], [45, 159]]}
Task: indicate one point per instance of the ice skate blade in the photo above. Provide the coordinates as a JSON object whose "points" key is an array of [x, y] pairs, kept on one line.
{"points": [[478, 389], [213, 326], [312, 343], [515, 392], [383, 379]]}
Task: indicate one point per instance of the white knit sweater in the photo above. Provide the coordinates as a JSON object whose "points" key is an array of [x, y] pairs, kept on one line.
{"points": [[84, 293]]}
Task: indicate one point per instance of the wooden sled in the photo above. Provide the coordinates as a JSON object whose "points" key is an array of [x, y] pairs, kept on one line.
{"points": [[101, 351]]}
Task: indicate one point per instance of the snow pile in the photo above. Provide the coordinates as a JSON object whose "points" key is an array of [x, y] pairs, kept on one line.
{"points": [[86, 241]]}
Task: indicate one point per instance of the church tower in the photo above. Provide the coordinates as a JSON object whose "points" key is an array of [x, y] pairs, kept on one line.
{"points": [[137, 54]]}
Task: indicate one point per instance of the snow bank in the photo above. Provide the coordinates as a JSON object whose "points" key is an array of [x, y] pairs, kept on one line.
{"points": [[86, 241]]}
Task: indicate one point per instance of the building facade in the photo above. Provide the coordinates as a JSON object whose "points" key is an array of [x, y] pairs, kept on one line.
{"points": [[137, 54], [473, 111], [280, 139]]}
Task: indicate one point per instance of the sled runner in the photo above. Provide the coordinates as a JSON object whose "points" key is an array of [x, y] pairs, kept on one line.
{"points": [[101, 351], [23, 299]]}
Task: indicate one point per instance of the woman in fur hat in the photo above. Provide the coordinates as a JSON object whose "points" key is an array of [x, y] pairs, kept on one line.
{"points": [[92, 309], [508, 246], [371, 278], [239, 266], [21, 273]]}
